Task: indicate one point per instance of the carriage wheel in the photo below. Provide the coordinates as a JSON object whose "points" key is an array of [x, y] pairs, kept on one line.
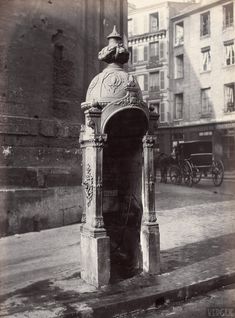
{"points": [[174, 173], [187, 173], [217, 172], [196, 175]]}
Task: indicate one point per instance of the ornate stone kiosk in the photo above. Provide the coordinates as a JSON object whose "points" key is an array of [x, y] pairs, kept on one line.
{"points": [[120, 234]]}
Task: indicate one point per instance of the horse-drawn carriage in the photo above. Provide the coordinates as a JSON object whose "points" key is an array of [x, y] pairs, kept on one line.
{"points": [[192, 160]]}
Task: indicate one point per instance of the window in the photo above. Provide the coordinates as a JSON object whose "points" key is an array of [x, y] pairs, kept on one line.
{"points": [[179, 33], [143, 82], [206, 59], [130, 27], [154, 82], [156, 106], [229, 53], [206, 101], [178, 111], [228, 15], [154, 22], [154, 51], [179, 66], [205, 23], [228, 147], [160, 109], [140, 25], [162, 50], [140, 54], [229, 90]]}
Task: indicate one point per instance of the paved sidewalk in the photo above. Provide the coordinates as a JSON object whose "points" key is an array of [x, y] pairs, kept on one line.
{"points": [[40, 272]]}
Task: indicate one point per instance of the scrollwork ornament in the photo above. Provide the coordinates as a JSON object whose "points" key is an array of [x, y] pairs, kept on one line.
{"points": [[98, 141], [99, 183], [83, 220], [148, 141], [88, 185], [91, 124], [152, 217]]}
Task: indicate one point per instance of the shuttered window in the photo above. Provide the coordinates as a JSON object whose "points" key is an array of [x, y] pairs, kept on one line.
{"points": [[145, 53], [145, 82], [154, 82], [162, 50], [162, 112], [135, 53], [162, 80]]}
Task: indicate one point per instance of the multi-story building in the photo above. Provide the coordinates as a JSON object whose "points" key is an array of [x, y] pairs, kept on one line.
{"points": [[202, 77], [148, 41]]}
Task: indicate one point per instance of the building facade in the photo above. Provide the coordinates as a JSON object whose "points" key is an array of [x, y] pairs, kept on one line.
{"points": [[148, 41], [48, 57], [202, 77]]}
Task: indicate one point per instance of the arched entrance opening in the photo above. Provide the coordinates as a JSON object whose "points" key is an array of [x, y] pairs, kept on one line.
{"points": [[122, 190]]}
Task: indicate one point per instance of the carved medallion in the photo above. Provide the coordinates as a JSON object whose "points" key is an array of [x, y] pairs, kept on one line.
{"points": [[112, 83]]}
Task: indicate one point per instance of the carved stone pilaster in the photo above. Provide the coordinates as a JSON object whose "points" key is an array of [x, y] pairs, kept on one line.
{"points": [[149, 180]]}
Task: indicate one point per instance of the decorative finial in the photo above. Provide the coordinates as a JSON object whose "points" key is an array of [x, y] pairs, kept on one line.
{"points": [[115, 52], [114, 34]]}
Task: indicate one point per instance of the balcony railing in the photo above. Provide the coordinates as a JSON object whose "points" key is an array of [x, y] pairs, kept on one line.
{"points": [[228, 22], [154, 64], [230, 107]]}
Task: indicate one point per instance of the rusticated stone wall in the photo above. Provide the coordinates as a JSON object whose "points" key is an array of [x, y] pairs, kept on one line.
{"points": [[48, 56]]}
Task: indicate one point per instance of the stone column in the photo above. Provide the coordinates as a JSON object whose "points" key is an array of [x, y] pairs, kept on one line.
{"points": [[95, 244], [150, 236]]}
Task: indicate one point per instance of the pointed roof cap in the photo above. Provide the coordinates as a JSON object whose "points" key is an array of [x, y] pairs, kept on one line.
{"points": [[114, 34]]}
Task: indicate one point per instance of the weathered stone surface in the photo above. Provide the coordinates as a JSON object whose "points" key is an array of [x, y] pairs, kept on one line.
{"points": [[24, 210], [48, 55], [95, 258], [150, 243]]}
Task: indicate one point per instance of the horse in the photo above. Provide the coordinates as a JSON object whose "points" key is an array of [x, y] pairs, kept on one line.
{"points": [[162, 162]]}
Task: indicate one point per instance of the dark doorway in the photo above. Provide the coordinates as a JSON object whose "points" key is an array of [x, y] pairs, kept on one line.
{"points": [[122, 190]]}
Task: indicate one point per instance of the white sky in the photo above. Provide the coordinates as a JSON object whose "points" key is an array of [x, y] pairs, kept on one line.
{"points": [[142, 3]]}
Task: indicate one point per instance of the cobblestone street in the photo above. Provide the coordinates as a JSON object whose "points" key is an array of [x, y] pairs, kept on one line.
{"points": [[169, 196], [218, 303], [196, 224]]}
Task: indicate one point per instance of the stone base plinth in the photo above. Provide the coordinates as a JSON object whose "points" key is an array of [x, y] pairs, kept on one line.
{"points": [[150, 243], [95, 257]]}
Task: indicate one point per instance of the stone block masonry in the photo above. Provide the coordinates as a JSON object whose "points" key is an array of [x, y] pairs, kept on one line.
{"points": [[46, 63]]}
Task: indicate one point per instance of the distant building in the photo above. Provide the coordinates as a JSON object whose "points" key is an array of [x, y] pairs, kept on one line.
{"points": [[202, 77], [148, 41]]}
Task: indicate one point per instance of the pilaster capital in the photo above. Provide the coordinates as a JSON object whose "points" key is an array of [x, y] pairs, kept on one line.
{"points": [[94, 140], [99, 140], [98, 222], [150, 217], [148, 141]]}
